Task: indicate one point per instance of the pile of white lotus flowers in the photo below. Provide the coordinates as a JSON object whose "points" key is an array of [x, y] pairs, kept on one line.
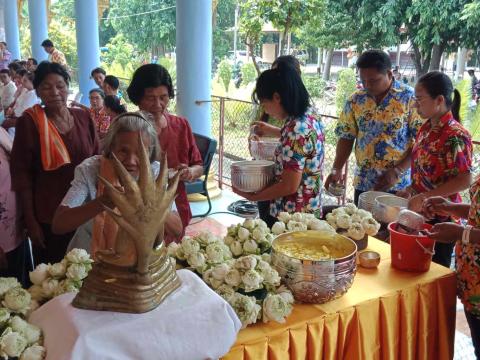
{"points": [[251, 237], [299, 222], [356, 223], [18, 338], [50, 280]]}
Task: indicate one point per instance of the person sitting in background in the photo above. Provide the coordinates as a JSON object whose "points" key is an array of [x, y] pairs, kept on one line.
{"points": [[49, 143], [54, 55], [85, 199], [98, 75], [13, 67], [111, 85], [442, 154], [5, 56], [97, 111], [32, 64], [299, 158], [113, 107], [151, 89], [7, 90]]}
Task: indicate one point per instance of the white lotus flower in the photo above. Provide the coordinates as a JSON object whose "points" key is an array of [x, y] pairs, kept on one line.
{"points": [[34, 352], [343, 221], [40, 273], [196, 260], [278, 228], [262, 266], [237, 248], [259, 234], [246, 308], [18, 324], [232, 230], [78, 256], [308, 216], [298, 217], [252, 280], [12, 344], [356, 218], [371, 226], [4, 315], [332, 220], [220, 271], [36, 292], [267, 258], [226, 292], [34, 305], [250, 247], [275, 308], [18, 300], [233, 278], [243, 234], [248, 262], [321, 225], [271, 277], [228, 240], [180, 254], [214, 252], [285, 294], [205, 238], [249, 224], [31, 332], [284, 217], [57, 270], [262, 224], [363, 213], [296, 226], [350, 208], [77, 271], [190, 246], [356, 231], [172, 249], [49, 287]]}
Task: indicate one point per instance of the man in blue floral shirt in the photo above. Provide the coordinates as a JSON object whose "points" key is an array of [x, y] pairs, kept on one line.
{"points": [[382, 123]]}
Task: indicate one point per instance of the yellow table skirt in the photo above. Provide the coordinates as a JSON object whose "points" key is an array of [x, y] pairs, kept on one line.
{"points": [[386, 314]]}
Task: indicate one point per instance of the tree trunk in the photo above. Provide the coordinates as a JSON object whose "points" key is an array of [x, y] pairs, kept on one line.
{"points": [[328, 65], [250, 47], [437, 52], [422, 62]]}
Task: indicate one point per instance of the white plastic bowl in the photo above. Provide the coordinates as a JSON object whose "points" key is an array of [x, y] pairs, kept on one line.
{"points": [[252, 176], [264, 148]]}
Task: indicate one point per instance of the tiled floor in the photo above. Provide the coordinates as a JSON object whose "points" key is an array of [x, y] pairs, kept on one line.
{"points": [[463, 341]]}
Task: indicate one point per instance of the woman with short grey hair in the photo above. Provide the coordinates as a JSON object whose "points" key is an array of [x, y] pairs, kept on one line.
{"points": [[83, 205]]}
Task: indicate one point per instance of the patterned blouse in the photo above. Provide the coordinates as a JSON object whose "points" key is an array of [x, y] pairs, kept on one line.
{"points": [[383, 133], [440, 154], [468, 259], [302, 150], [102, 122]]}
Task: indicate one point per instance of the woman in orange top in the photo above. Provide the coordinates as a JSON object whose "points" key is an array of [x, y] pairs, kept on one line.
{"points": [[49, 143]]}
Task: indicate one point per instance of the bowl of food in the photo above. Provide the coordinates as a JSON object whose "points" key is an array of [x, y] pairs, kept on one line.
{"points": [[317, 266], [387, 208], [369, 259], [263, 148], [252, 175]]}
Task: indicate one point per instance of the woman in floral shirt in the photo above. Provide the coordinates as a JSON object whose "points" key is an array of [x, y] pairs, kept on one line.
{"points": [[442, 154], [299, 157], [467, 251], [97, 111]]}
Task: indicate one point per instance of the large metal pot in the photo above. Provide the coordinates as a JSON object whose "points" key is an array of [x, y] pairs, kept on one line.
{"points": [[315, 281], [252, 176], [387, 207]]}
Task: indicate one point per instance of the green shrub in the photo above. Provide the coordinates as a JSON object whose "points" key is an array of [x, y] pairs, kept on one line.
{"points": [[465, 90], [249, 74], [315, 85], [225, 73], [346, 85]]}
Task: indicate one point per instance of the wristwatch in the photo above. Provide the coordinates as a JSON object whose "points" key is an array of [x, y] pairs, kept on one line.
{"points": [[466, 234]]}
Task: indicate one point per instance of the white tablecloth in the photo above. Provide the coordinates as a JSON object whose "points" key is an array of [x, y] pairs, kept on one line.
{"points": [[192, 323]]}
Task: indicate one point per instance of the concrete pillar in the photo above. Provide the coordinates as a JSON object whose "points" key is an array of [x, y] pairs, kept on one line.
{"points": [[37, 13], [461, 60], [88, 48], [194, 62], [12, 37], [399, 54]]}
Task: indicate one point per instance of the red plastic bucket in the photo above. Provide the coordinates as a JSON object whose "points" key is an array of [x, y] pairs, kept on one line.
{"points": [[411, 252]]}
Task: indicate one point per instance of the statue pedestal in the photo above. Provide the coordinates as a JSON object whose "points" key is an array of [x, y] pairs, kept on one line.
{"points": [[191, 323]]}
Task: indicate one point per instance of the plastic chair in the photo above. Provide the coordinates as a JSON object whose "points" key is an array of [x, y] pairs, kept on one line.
{"points": [[207, 148]]}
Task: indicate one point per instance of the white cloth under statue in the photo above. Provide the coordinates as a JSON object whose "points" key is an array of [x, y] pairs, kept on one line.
{"points": [[192, 323]]}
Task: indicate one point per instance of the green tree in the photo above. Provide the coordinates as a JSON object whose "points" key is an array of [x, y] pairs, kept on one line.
{"points": [[345, 87], [152, 32], [248, 73], [224, 21], [225, 73], [251, 22]]}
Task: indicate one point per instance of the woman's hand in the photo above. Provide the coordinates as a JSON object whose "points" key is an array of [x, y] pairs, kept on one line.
{"points": [[386, 180], [446, 233], [261, 128], [436, 205], [405, 193], [416, 202], [248, 196], [35, 233], [187, 174]]}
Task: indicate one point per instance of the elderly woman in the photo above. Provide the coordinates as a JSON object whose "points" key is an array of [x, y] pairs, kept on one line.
{"points": [[97, 111], [299, 158], [85, 199], [50, 142], [151, 90]]}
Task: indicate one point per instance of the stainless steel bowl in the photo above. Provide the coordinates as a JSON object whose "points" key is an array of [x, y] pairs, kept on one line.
{"points": [[411, 219], [387, 207], [264, 148], [366, 200], [316, 281], [252, 176]]}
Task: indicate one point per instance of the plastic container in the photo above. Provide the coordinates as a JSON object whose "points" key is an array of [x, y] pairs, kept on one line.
{"points": [[411, 252]]}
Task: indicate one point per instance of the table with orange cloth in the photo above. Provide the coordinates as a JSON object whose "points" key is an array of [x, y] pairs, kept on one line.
{"points": [[386, 314]]}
